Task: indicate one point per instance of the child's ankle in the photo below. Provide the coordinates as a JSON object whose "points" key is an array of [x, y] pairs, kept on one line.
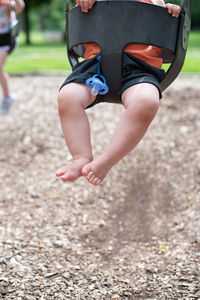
{"points": [[82, 157]]}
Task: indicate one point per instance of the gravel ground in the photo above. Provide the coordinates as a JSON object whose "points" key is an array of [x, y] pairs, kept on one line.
{"points": [[136, 236]]}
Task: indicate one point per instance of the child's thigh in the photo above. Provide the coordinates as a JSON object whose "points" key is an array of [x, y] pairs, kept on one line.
{"points": [[77, 93], [141, 94]]}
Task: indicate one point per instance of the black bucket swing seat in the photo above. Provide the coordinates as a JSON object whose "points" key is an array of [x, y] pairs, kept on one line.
{"points": [[113, 24]]}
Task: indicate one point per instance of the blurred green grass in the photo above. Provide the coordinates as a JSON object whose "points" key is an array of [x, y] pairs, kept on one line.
{"points": [[41, 56], [37, 57], [192, 61]]}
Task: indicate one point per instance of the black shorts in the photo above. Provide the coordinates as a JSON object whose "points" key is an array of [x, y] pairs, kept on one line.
{"points": [[13, 45], [134, 71]]}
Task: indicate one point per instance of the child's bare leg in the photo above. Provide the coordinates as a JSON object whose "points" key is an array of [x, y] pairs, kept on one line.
{"points": [[141, 103], [3, 75], [72, 101]]}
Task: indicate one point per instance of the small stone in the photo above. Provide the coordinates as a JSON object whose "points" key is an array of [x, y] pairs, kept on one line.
{"points": [[115, 297], [91, 287]]}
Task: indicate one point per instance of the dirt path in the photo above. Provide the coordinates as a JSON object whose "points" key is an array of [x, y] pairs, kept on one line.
{"points": [[137, 236]]}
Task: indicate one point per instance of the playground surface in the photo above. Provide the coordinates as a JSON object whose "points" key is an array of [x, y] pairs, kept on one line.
{"points": [[136, 236]]}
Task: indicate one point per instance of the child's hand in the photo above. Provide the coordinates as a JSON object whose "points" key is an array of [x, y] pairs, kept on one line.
{"points": [[173, 9], [85, 5], [3, 2]]}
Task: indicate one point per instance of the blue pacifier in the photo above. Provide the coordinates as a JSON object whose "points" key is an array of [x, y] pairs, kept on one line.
{"points": [[98, 81], [98, 84]]}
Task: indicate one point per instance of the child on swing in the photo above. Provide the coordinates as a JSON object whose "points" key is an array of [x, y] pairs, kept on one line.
{"points": [[140, 94], [8, 11]]}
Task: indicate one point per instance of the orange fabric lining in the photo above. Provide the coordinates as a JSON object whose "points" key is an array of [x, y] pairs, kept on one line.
{"points": [[149, 54]]}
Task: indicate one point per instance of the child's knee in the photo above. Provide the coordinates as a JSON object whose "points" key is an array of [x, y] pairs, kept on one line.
{"points": [[65, 99], [145, 108], [72, 97], [150, 105], [148, 108], [62, 103]]}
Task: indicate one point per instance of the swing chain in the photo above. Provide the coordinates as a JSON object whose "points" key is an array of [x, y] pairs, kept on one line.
{"points": [[183, 5]]}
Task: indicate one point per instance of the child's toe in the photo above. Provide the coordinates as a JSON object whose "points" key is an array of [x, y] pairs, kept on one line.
{"points": [[86, 170], [92, 178], [96, 181], [90, 175], [60, 172], [64, 177]]}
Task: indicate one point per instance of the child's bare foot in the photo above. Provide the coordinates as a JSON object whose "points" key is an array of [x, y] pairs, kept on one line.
{"points": [[96, 170], [73, 170]]}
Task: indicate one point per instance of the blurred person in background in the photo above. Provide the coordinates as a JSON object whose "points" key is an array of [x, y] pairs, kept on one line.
{"points": [[8, 11]]}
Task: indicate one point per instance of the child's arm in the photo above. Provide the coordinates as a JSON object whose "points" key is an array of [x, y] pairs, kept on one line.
{"points": [[16, 5], [19, 6], [173, 9], [85, 4], [2, 3]]}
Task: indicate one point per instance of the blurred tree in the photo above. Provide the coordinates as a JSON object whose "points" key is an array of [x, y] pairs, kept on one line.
{"points": [[29, 4], [51, 16], [195, 13]]}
